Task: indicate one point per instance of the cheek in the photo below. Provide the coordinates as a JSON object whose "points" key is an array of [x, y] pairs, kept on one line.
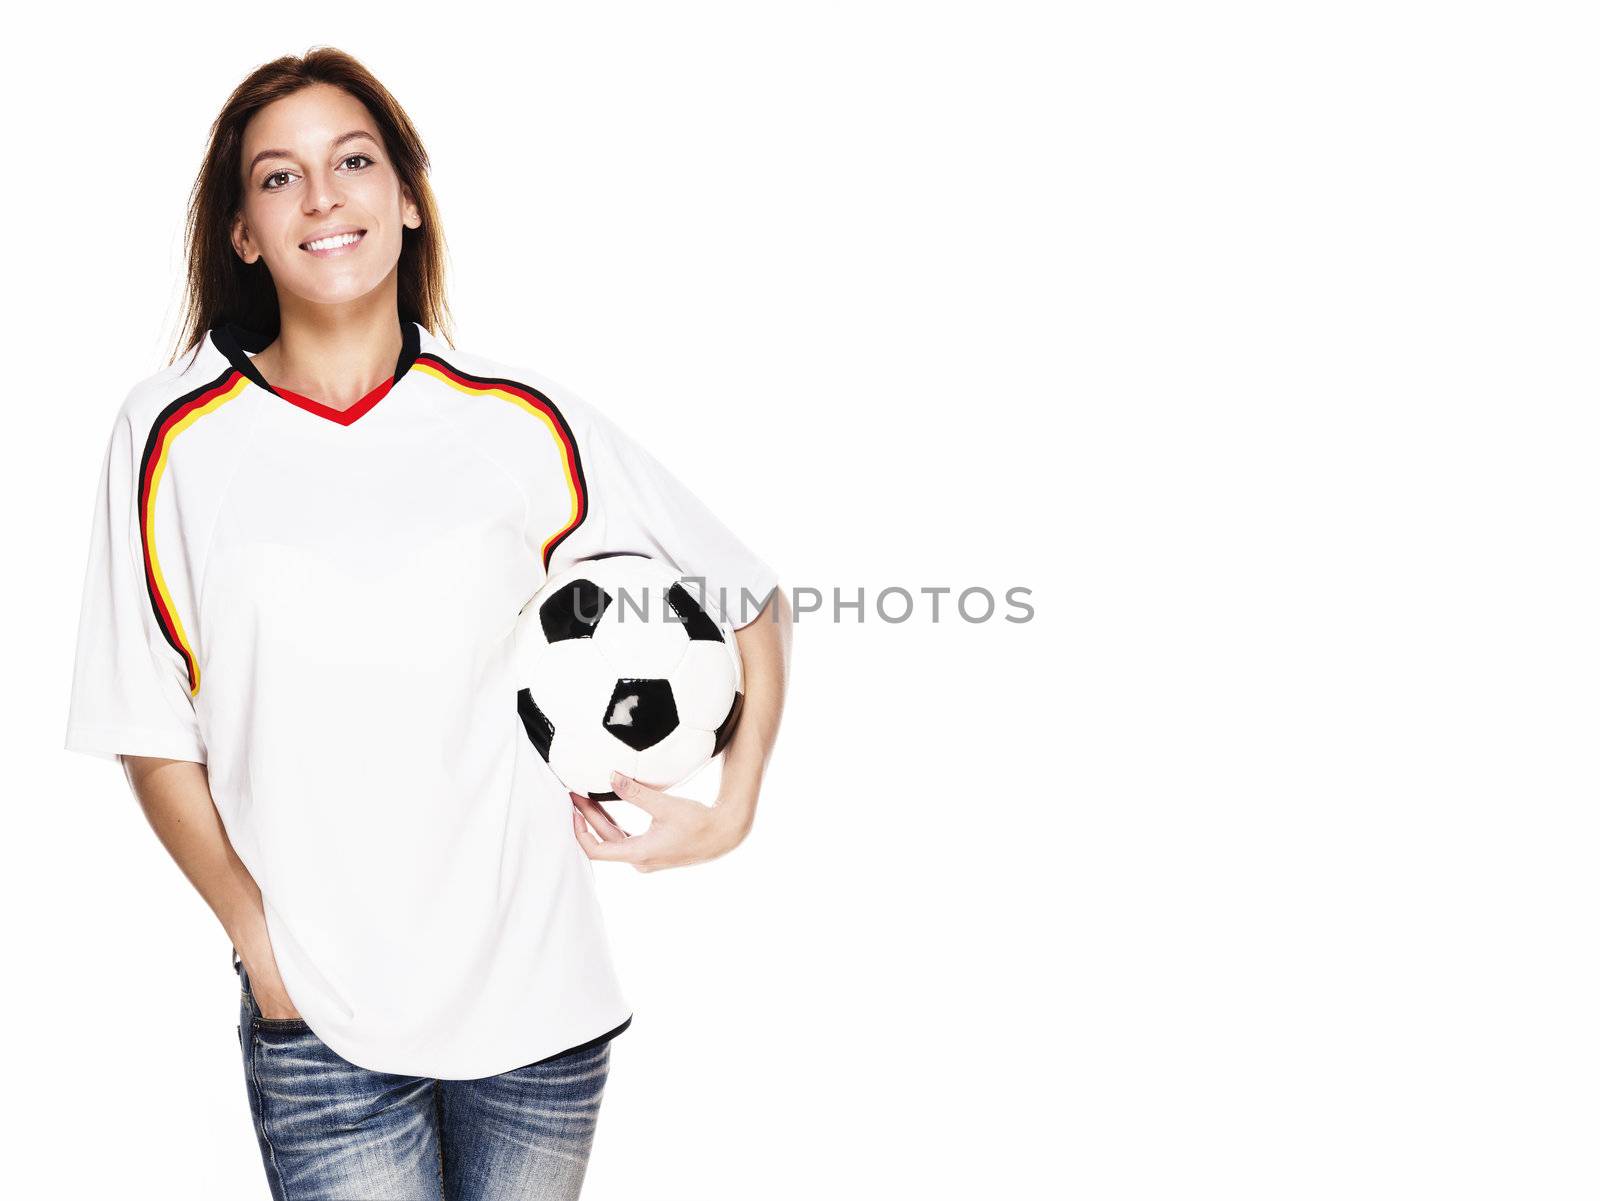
{"points": [[376, 192], [270, 235]]}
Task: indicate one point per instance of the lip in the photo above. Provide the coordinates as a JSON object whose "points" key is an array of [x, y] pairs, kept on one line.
{"points": [[333, 233]]}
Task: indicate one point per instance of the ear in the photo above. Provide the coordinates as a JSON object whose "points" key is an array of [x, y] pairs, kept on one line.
{"points": [[410, 211], [243, 245]]}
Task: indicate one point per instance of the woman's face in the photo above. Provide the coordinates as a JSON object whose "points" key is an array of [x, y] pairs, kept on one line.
{"points": [[313, 163]]}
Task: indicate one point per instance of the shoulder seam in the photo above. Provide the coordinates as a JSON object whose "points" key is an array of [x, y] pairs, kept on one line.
{"points": [[169, 622], [242, 456], [516, 485], [536, 401]]}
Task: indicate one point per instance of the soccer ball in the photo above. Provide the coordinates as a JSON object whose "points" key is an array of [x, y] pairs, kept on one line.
{"points": [[619, 667]]}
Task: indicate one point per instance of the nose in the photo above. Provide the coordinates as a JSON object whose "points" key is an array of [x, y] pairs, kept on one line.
{"points": [[322, 193]]}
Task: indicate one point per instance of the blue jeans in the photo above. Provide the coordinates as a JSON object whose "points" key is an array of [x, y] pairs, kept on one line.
{"points": [[332, 1131]]}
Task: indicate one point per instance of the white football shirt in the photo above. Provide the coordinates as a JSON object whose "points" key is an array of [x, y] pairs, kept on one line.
{"points": [[319, 605]]}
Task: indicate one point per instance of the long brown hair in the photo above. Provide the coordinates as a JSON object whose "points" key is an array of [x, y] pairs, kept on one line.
{"points": [[221, 286]]}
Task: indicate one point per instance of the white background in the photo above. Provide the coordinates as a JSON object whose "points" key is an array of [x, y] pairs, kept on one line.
{"points": [[1257, 340]]}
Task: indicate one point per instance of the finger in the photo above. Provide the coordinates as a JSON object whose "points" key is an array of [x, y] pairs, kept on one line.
{"points": [[580, 831], [592, 846], [590, 808], [651, 800], [595, 848], [605, 825]]}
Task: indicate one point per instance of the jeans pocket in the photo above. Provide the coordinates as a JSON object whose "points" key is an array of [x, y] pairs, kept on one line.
{"points": [[247, 998], [269, 1026]]}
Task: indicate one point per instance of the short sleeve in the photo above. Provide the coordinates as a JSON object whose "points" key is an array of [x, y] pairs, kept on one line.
{"points": [[644, 509], [130, 687]]}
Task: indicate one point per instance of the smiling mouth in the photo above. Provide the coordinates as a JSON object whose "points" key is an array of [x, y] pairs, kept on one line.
{"points": [[337, 242]]}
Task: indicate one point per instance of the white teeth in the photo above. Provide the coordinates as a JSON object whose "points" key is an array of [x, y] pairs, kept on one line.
{"points": [[330, 243]]}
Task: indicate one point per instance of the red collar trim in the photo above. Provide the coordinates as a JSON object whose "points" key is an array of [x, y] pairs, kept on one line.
{"points": [[341, 416]]}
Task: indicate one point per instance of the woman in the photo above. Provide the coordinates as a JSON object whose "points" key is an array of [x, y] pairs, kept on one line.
{"points": [[313, 535]]}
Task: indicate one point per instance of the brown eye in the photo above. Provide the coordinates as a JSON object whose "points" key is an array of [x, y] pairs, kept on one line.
{"points": [[266, 184], [356, 156]]}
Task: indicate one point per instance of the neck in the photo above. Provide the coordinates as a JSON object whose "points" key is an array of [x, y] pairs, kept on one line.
{"points": [[335, 354]]}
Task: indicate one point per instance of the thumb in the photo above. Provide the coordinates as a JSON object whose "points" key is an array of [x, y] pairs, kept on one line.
{"points": [[635, 793]]}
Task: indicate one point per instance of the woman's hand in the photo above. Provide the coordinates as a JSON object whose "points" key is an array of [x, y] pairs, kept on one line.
{"points": [[682, 831], [270, 996]]}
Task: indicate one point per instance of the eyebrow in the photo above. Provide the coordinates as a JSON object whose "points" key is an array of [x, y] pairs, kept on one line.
{"points": [[338, 141]]}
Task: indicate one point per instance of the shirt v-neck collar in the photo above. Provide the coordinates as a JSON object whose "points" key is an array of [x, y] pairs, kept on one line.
{"points": [[237, 344]]}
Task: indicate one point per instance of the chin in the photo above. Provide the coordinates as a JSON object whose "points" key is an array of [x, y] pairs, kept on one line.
{"points": [[335, 291]]}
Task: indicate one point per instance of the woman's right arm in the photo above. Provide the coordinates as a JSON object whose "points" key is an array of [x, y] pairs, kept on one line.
{"points": [[176, 797]]}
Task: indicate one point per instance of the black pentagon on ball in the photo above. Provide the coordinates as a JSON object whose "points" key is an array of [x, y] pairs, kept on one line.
{"points": [[574, 611], [729, 724], [695, 622], [540, 731], [641, 712]]}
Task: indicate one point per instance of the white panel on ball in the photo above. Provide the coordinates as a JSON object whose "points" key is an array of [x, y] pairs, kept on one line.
{"points": [[584, 757], [703, 684], [648, 645], [569, 689], [672, 760]]}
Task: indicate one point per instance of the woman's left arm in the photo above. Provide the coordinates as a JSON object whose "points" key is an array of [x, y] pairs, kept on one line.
{"points": [[684, 831]]}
